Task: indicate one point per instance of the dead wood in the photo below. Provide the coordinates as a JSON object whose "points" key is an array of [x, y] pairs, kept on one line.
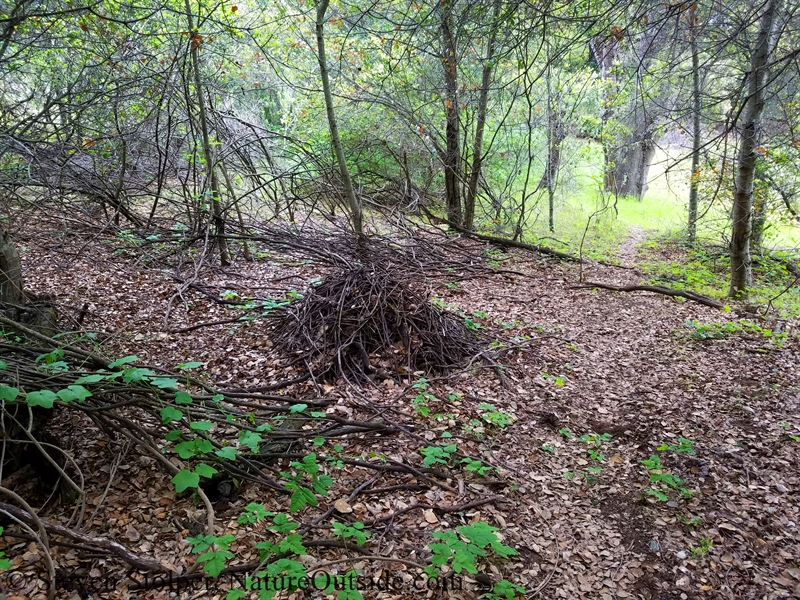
{"points": [[502, 242], [658, 289], [352, 315], [102, 543]]}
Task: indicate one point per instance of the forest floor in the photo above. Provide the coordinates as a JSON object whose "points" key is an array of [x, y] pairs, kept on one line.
{"points": [[713, 398]]}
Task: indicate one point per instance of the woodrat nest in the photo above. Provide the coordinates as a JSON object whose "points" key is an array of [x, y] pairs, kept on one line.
{"points": [[354, 315]]}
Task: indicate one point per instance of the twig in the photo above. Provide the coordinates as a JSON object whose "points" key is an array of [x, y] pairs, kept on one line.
{"points": [[30, 516], [441, 509]]}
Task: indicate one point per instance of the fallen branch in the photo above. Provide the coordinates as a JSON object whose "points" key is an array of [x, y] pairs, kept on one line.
{"points": [[434, 508], [208, 324], [503, 242], [115, 548], [658, 289]]}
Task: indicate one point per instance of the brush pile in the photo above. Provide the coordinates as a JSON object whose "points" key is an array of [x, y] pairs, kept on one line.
{"points": [[368, 312]]}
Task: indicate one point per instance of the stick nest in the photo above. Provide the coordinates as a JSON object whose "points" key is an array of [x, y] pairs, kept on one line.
{"points": [[351, 318]]}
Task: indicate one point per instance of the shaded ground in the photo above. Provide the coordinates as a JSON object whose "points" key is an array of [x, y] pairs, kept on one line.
{"points": [[576, 363]]}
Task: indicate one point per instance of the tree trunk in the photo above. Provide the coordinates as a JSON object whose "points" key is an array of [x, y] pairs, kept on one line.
{"points": [[694, 181], [195, 42], [741, 260], [10, 271], [352, 201], [452, 154], [759, 223], [631, 160], [556, 134], [480, 124]]}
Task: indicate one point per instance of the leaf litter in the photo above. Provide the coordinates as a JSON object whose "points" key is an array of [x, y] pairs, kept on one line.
{"points": [[566, 367]]}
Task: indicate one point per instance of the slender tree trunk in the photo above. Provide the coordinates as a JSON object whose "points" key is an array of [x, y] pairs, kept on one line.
{"points": [[759, 223], [694, 181], [195, 42], [352, 201], [556, 134], [529, 154], [480, 123], [10, 271], [741, 260], [232, 191], [452, 154]]}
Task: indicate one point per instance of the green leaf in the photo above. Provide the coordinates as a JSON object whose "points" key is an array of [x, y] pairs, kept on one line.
{"points": [[481, 534], [227, 453], [201, 543], [201, 425], [185, 479], [74, 392], [8, 393], [164, 382], [251, 439], [235, 594], [136, 374], [182, 398], [186, 449], [43, 398], [215, 561], [188, 365], [173, 435], [205, 470], [3, 365], [465, 561], [660, 495], [297, 408], [203, 446], [299, 500], [293, 543], [90, 378], [432, 572], [441, 554], [282, 524], [253, 512], [170, 413], [123, 361]]}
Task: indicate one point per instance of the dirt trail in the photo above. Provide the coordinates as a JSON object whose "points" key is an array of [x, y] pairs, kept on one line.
{"points": [[628, 249]]}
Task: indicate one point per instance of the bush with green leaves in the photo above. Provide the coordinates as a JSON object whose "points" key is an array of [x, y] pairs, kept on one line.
{"points": [[355, 532], [505, 590], [437, 455], [303, 495], [495, 416], [662, 482], [461, 549], [684, 446], [475, 466]]}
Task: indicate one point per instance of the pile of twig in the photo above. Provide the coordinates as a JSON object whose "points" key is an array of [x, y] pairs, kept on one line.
{"points": [[365, 312]]}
